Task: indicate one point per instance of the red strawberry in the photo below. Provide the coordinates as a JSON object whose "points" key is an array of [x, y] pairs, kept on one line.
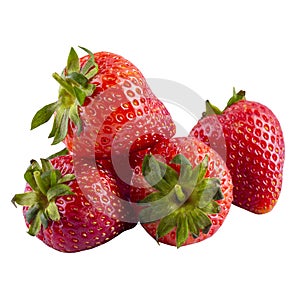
{"points": [[249, 137], [184, 191], [73, 214], [105, 100]]}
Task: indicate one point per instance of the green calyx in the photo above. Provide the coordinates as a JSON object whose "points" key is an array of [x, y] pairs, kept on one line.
{"points": [[47, 184], [183, 201], [73, 90], [213, 110]]}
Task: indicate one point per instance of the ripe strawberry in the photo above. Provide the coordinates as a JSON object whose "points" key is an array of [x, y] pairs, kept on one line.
{"points": [[73, 214], [184, 191], [105, 100], [249, 137]]}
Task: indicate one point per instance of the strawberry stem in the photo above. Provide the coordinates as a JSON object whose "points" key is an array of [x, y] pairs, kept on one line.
{"points": [[39, 182], [236, 97], [66, 87], [179, 193]]}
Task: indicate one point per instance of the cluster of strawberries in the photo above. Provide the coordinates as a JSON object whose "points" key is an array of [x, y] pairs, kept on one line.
{"points": [[122, 164]]}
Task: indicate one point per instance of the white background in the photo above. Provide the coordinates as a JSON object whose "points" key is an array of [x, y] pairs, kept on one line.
{"points": [[209, 46]]}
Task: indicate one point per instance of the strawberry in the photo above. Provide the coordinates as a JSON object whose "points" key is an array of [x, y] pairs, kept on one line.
{"points": [[249, 137], [106, 102], [183, 190], [73, 214]]}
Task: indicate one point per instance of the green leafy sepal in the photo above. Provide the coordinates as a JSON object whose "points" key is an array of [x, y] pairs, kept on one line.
{"points": [[74, 88], [214, 110], [47, 184], [183, 201]]}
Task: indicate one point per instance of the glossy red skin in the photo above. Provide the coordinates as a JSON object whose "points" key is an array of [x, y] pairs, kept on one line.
{"points": [[254, 151], [195, 151], [122, 115], [87, 219], [123, 167]]}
